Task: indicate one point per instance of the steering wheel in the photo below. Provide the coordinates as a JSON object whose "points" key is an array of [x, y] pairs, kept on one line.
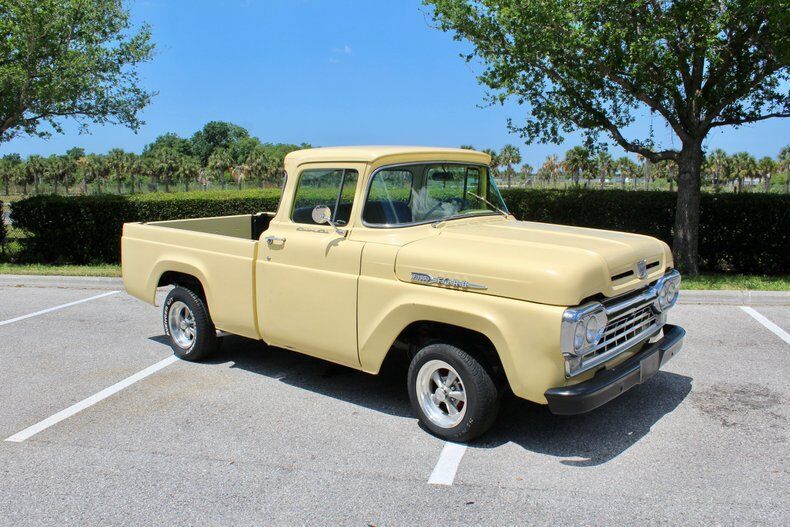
{"points": [[461, 203]]}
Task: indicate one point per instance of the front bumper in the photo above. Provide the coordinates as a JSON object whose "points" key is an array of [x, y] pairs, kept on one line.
{"points": [[608, 384]]}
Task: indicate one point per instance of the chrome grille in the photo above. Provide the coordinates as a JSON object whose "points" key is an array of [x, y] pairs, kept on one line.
{"points": [[630, 321]]}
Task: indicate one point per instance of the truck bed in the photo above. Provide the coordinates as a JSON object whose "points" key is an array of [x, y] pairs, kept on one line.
{"points": [[219, 250]]}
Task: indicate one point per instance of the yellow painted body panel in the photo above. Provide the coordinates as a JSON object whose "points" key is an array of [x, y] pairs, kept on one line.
{"points": [[345, 297]]}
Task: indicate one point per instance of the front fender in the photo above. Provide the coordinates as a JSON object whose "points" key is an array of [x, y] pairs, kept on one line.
{"points": [[526, 335]]}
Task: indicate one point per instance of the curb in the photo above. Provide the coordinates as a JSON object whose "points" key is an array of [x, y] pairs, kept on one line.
{"points": [[688, 297], [68, 282], [735, 298]]}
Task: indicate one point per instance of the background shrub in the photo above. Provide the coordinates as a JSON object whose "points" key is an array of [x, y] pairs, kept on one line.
{"points": [[744, 233], [2, 229]]}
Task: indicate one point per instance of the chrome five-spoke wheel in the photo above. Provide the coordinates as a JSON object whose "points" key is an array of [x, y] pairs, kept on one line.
{"points": [[181, 322], [441, 394]]}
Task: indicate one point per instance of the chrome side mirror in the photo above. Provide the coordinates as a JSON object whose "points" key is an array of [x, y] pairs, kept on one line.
{"points": [[323, 215]]}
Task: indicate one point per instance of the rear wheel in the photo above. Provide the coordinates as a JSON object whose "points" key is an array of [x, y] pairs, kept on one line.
{"points": [[188, 325], [454, 394]]}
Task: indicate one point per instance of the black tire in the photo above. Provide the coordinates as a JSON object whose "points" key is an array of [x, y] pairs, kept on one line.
{"points": [[479, 384], [204, 341]]}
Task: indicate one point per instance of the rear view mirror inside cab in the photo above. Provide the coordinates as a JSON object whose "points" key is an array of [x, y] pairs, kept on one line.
{"points": [[442, 176]]}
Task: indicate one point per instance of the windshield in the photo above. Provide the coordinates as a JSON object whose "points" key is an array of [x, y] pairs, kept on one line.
{"points": [[428, 192]]}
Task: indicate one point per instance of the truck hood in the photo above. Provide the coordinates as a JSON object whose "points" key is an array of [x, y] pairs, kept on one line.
{"points": [[537, 262]]}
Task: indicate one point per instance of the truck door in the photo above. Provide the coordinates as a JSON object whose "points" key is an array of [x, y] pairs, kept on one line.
{"points": [[307, 274]]}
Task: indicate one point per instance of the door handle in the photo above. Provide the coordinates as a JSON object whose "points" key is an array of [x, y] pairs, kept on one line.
{"points": [[271, 240]]}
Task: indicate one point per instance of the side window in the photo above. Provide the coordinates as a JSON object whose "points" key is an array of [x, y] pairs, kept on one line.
{"points": [[331, 187], [389, 197]]}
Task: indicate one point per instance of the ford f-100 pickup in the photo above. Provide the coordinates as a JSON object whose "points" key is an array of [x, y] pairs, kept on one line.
{"points": [[411, 250]]}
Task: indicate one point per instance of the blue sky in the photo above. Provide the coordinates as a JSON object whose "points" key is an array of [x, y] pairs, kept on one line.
{"points": [[327, 72]]}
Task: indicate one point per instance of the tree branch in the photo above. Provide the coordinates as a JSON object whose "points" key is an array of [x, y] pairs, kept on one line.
{"points": [[746, 120]]}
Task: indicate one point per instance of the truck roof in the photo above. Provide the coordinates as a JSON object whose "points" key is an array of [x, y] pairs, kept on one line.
{"points": [[369, 154]]}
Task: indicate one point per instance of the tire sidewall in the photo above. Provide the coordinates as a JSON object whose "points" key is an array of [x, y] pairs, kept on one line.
{"points": [[474, 413], [179, 294]]}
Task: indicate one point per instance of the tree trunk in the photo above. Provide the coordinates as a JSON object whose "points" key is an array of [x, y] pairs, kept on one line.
{"points": [[131, 183], [84, 184], [24, 187], [35, 184], [740, 185], [55, 183], [186, 185], [118, 182], [603, 179], [686, 238], [647, 174]]}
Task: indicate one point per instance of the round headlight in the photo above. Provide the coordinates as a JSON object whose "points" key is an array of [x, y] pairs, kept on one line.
{"points": [[578, 337], [592, 330]]}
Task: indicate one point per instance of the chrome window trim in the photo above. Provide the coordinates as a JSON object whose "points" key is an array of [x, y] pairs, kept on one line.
{"points": [[415, 223]]}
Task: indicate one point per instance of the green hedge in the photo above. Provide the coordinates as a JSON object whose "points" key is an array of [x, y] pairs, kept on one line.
{"points": [[2, 229], [744, 233]]}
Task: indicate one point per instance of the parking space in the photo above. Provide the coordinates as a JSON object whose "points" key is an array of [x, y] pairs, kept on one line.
{"points": [[265, 436]]}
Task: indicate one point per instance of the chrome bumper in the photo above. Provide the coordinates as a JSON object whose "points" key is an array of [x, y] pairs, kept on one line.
{"points": [[608, 384]]}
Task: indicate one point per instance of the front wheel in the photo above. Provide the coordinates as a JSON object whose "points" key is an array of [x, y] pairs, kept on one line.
{"points": [[188, 325], [454, 394]]}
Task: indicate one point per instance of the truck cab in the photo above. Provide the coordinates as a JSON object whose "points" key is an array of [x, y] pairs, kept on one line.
{"points": [[411, 250]]}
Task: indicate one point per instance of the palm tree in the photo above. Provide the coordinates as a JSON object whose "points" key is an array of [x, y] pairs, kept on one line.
{"points": [[783, 165], [257, 162], [552, 167], [577, 161], [527, 174], [166, 162], [34, 169], [646, 175], [136, 169], [627, 168], [745, 167], [509, 156], [8, 169], [220, 162], [717, 162], [188, 170], [97, 170], [466, 147], [118, 163], [765, 169], [604, 163], [495, 161]]}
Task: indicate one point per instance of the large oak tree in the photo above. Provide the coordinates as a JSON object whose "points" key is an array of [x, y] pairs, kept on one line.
{"points": [[596, 65], [69, 59]]}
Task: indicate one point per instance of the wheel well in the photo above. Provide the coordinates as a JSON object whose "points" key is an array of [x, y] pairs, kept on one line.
{"points": [[184, 280], [419, 334]]}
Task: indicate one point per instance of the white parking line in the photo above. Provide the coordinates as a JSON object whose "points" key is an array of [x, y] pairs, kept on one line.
{"points": [[779, 332], [43, 311], [445, 469], [90, 401]]}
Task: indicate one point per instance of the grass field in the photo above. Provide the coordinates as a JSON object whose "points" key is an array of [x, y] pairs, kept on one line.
{"points": [[702, 282]]}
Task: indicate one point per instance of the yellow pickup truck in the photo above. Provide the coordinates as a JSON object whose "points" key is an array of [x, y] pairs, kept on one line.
{"points": [[411, 250]]}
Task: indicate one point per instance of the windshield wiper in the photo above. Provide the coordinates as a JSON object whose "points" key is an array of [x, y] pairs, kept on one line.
{"points": [[481, 198]]}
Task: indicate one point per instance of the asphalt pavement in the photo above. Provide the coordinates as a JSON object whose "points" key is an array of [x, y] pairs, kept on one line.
{"points": [[103, 432]]}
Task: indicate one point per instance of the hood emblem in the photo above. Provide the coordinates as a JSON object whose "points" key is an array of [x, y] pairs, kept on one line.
{"points": [[424, 278], [641, 269]]}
